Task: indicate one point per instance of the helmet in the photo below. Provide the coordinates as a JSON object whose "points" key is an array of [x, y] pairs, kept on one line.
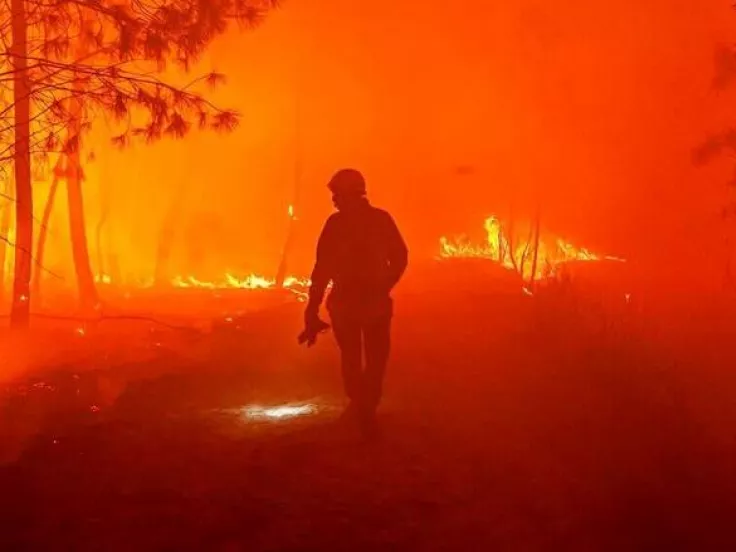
{"points": [[347, 182]]}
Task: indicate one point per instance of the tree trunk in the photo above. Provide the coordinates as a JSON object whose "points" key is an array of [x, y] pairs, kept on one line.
{"points": [[116, 276], [525, 253], [162, 276], [4, 231], [21, 307], [535, 258], [511, 242], [283, 264], [106, 252], [98, 245], [88, 296], [44, 230], [103, 238], [284, 261]]}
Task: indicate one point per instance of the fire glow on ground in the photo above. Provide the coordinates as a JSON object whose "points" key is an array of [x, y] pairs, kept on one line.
{"points": [[277, 413]]}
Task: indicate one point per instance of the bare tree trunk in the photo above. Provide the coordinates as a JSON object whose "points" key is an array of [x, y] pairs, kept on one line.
{"points": [[103, 239], [535, 258], [108, 258], [88, 296], [281, 272], [21, 307], [114, 264], [510, 240], [98, 242], [44, 230], [166, 238], [161, 274], [4, 230], [525, 253], [283, 263]]}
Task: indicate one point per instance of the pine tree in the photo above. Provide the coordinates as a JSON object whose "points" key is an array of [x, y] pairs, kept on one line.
{"points": [[71, 61]]}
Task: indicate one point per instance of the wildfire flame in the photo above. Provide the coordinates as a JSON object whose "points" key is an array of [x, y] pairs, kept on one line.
{"points": [[519, 256], [103, 279], [252, 281], [501, 247]]}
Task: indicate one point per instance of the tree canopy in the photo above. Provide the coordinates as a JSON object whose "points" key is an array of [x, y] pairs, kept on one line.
{"points": [[65, 62], [111, 55]]}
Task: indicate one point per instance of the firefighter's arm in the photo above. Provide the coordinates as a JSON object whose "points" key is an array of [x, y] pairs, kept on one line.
{"points": [[321, 276], [322, 272], [398, 253]]}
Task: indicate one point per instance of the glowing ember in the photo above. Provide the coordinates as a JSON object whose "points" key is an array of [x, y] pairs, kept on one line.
{"points": [[278, 412], [103, 279], [520, 255]]}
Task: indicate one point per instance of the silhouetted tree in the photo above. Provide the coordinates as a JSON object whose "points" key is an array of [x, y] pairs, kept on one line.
{"points": [[167, 233], [72, 60], [5, 217], [58, 174], [723, 142]]}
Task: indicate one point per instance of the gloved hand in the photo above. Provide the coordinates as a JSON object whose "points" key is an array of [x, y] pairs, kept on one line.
{"points": [[313, 326]]}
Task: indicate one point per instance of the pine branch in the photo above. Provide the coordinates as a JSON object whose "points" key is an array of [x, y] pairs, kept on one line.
{"points": [[116, 40]]}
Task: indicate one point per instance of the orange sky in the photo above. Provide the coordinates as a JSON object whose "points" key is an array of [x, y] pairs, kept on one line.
{"points": [[589, 109]]}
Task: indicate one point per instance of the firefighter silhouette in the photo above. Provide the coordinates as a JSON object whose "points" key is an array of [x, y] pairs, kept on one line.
{"points": [[363, 254]]}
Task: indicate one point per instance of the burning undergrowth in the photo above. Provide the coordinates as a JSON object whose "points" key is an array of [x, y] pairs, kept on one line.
{"points": [[510, 259], [534, 256]]}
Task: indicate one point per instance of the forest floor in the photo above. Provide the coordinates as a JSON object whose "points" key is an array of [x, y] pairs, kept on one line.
{"points": [[505, 427]]}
